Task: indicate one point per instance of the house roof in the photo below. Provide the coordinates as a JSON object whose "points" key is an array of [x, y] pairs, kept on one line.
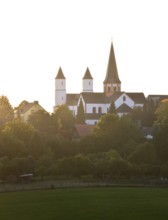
{"points": [[90, 97], [72, 99], [124, 109], [160, 97], [25, 106], [137, 97], [60, 74], [83, 130], [87, 74], [112, 72]]}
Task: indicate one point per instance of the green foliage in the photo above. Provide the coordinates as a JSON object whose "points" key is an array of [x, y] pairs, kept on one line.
{"points": [[43, 122], [116, 131], [106, 126], [162, 114], [144, 154], [19, 130], [161, 131], [112, 109], [65, 121], [80, 118], [115, 149], [6, 110]]}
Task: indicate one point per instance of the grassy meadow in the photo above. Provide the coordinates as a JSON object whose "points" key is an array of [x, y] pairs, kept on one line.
{"points": [[86, 204]]}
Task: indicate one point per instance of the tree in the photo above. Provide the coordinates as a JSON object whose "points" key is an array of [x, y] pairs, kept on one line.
{"points": [[116, 131], [65, 120], [162, 113], [6, 110], [144, 154], [112, 109], [161, 131], [107, 125], [19, 130], [80, 118], [43, 122]]}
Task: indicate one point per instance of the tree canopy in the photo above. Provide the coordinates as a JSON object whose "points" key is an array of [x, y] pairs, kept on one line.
{"points": [[80, 118], [6, 110]]}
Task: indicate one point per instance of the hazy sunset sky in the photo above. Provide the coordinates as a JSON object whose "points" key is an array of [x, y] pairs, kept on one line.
{"points": [[39, 36]]}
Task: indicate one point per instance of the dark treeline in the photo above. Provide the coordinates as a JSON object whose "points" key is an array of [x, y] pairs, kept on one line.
{"points": [[116, 147]]}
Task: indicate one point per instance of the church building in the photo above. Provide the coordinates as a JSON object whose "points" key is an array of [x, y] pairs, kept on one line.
{"points": [[97, 104]]}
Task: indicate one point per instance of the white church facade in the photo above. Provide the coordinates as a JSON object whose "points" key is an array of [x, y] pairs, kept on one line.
{"points": [[97, 104]]}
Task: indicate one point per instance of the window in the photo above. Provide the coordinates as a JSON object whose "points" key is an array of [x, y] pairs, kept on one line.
{"points": [[62, 83], [94, 110], [62, 98], [100, 110], [124, 98], [108, 89]]}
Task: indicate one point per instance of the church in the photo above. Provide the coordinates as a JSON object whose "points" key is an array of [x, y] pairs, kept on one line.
{"points": [[97, 104]]}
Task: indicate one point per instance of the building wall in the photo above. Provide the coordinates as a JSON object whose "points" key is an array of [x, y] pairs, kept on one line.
{"points": [[87, 85], [91, 122], [95, 108], [73, 109], [30, 111], [60, 92], [124, 98]]}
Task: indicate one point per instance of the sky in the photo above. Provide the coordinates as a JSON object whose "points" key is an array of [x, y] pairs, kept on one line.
{"points": [[39, 36]]}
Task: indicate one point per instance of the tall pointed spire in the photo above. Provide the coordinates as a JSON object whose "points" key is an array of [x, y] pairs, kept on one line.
{"points": [[87, 81], [112, 72], [112, 81], [60, 74], [87, 74]]}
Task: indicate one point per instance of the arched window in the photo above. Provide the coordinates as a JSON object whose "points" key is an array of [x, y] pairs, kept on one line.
{"points": [[100, 110], [124, 98], [94, 110]]}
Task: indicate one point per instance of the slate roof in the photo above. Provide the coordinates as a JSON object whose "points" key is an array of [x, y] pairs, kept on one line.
{"points": [[112, 72], [137, 97], [72, 99], [94, 98], [87, 74], [113, 97], [60, 74], [90, 97], [25, 106], [160, 97], [124, 109], [83, 130]]}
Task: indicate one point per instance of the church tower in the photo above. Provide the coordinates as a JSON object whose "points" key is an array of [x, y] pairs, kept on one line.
{"points": [[60, 88], [112, 82], [87, 81]]}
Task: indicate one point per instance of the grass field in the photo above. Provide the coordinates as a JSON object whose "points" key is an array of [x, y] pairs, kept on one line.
{"points": [[86, 204]]}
